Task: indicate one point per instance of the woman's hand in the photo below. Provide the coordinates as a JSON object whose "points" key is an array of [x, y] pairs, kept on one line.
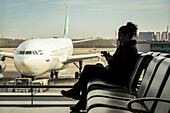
{"points": [[106, 55]]}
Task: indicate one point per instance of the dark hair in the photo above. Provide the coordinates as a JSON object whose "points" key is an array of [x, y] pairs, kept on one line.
{"points": [[130, 29]]}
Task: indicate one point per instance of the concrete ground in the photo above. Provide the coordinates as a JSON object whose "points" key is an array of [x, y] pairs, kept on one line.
{"points": [[34, 110]]}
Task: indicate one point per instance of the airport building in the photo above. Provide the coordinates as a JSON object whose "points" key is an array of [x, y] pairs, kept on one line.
{"points": [[158, 36], [165, 36], [146, 35]]}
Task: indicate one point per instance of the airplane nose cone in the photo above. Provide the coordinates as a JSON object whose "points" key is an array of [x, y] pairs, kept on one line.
{"points": [[23, 65], [26, 66], [30, 66]]}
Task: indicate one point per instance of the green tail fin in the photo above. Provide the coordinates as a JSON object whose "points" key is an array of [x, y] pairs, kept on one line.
{"points": [[66, 24]]}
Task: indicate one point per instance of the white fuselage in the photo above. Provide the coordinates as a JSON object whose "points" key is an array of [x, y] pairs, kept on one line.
{"points": [[37, 56]]}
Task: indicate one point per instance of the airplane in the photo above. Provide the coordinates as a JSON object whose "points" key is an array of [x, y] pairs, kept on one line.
{"points": [[35, 57]]}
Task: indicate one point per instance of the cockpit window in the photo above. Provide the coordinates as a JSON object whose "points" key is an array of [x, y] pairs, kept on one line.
{"points": [[28, 52], [21, 52], [35, 52]]}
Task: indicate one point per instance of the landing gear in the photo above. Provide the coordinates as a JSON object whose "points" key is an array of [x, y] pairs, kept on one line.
{"points": [[77, 74], [54, 73], [22, 76], [51, 74]]}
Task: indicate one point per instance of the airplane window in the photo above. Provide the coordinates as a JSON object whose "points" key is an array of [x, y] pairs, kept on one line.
{"points": [[39, 50], [28, 52], [35, 52], [21, 52]]}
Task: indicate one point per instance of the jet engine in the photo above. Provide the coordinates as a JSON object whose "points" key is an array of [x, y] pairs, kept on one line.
{"points": [[100, 63], [2, 66]]}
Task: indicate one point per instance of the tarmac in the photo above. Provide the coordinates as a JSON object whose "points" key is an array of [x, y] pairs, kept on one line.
{"points": [[34, 110]]}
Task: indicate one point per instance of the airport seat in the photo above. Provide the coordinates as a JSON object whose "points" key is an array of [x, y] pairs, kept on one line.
{"points": [[150, 53], [140, 53], [140, 65], [162, 104], [154, 90], [156, 54], [145, 84], [165, 55], [107, 110]]}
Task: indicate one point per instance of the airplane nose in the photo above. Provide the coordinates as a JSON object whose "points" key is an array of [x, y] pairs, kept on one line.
{"points": [[24, 65], [30, 65]]}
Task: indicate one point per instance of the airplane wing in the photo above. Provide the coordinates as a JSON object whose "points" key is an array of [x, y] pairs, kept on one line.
{"points": [[79, 41], [7, 54], [75, 58]]}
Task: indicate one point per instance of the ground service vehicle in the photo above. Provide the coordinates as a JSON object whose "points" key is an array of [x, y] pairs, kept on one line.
{"points": [[40, 82], [22, 81], [28, 81]]}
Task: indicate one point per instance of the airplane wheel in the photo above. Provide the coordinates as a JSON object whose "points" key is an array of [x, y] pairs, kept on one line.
{"points": [[22, 76], [33, 78], [52, 74], [56, 74]]}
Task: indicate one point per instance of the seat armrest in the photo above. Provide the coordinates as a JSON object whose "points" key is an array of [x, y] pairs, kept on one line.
{"points": [[141, 100]]}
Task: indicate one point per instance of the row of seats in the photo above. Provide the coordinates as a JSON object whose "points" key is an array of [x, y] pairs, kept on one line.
{"points": [[151, 97]]}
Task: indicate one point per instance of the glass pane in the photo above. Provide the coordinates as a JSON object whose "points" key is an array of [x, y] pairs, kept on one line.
{"points": [[28, 52], [21, 52], [35, 53]]}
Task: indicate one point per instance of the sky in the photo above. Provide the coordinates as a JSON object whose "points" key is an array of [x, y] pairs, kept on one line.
{"points": [[87, 18]]}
